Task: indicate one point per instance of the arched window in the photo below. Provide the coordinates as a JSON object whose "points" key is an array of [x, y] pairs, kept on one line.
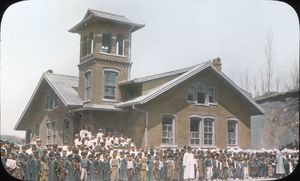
{"points": [[106, 43], [168, 130], [87, 84], [110, 84], [120, 45]]}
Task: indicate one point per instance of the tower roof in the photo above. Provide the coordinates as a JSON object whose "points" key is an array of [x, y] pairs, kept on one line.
{"points": [[95, 15]]}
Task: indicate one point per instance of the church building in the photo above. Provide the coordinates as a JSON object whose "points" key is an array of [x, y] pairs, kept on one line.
{"points": [[198, 105]]}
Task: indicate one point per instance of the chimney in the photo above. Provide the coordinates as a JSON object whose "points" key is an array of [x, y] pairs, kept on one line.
{"points": [[217, 64]]}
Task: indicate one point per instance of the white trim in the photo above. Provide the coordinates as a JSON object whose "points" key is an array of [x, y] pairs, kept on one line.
{"points": [[109, 100], [173, 129], [111, 69], [163, 88], [213, 131], [116, 88], [112, 54], [215, 89]]}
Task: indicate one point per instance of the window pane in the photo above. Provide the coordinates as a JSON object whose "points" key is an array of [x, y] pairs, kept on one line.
{"points": [[120, 45], [194, 124], [212, 95], [167, 130], [191, 93], [110, 84], [208, 131], [106, 43], [232, 132]]}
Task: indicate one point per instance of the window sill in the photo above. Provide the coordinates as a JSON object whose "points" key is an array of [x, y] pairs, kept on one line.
{"points": [[86, 101], [208, 146], [168, 145], [109, 100], [200, 104], [232, 147], [116, 55]]}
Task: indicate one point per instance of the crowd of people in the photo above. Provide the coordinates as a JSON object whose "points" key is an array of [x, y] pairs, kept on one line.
{"points": [[106, 156]]}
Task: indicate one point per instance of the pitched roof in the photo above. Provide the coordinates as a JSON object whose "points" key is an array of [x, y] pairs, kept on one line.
{"points": [[100, 15], [65, 87], [156, 76], [172, 83]]}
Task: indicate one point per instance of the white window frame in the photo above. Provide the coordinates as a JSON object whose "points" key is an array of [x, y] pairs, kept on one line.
{"points": [[49, 132], [117, 45], [111, 37], [52, 101], [116, 85], [173, 131], [91, 42], [236, 132], [199, 128], [196, 86], [205, 92], [213, 130], [215, 95], [86, 97]]}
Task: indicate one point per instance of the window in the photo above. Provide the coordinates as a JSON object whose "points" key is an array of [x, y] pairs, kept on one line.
{"points": [[110, 84], [52, 101], [211, 95], [208, 131], [191, 93], [199, 93], [201, 99], [37, 131], [87, 85], [67, 130], [50, 132], [106, 43], [232, 132], [84, 46], [90, 44], [120, 45], [195, 130], [167, 130]]}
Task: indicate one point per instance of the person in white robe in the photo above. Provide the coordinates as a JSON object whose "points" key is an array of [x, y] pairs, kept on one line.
{"points": [[188, 165], [280, 170]]}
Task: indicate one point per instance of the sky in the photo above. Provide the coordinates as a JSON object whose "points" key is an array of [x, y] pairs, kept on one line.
{"points": [[177, 34]]}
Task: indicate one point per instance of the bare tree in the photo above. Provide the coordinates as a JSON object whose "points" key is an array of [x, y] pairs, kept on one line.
{"points": [[262, 83], [270, 60], [254, 86], [295, 74]]}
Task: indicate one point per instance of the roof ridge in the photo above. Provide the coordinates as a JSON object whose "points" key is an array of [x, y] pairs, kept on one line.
{"points": [[62, 75], [106, 12]]}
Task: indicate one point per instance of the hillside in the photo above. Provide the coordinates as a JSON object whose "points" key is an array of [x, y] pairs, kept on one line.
{"points": [[14, 139], [280, 124]]}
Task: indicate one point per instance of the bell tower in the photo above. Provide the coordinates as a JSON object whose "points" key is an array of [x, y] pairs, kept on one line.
{"points": [[105, 42]]}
